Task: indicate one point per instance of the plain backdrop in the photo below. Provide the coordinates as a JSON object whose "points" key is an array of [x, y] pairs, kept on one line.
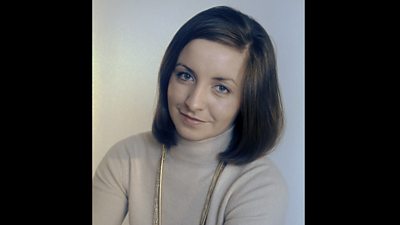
{"points": [[129, 40]]}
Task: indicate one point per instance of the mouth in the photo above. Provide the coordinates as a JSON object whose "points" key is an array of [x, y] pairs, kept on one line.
{"points": [[191, 120]]}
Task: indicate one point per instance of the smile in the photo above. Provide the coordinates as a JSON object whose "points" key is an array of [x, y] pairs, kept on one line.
{"points": [[190, 120]]}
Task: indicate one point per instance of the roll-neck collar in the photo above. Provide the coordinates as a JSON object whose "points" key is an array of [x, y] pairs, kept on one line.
{"points": [[201, 152]]}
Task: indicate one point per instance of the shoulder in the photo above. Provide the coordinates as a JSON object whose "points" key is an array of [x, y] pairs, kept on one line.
{"points": [[115, 166], [262, 169], [143, 138], [121, 154], [133, 145], [257, 190]]}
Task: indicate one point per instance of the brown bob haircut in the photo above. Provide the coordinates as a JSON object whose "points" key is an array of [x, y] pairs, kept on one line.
{"points": [[259, 122]]}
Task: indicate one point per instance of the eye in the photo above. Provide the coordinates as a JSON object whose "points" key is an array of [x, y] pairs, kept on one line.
{"points": [[222, 89], [185, 76]]}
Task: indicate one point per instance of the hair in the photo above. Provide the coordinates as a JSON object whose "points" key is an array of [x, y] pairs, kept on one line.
{"points": [[259, 122]]}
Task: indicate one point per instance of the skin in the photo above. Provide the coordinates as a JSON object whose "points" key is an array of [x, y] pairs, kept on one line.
{"points": [[204, 91]]}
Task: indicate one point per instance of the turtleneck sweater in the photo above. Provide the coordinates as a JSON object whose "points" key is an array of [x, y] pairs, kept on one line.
{"points": [[125, 180]]}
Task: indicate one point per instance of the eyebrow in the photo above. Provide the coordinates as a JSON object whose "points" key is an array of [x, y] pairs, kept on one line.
{"points": [[214, 78], [225, 79], [187, 68]]}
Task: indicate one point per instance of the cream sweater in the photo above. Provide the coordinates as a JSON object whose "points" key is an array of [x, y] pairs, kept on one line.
{"points": [[253, 194]]}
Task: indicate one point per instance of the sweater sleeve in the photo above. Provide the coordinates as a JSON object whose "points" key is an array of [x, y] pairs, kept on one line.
{"points": [[259, 197], [109, 196]]}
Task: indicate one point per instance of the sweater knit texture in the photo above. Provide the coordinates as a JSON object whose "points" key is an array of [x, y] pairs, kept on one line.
{"points": [[125, 180]]}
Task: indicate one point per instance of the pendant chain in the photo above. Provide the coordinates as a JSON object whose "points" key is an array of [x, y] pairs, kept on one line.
{"points": [[158, 192]]}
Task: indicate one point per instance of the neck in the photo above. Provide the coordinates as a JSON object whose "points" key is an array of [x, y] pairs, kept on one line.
{"points": [[202, 152]]}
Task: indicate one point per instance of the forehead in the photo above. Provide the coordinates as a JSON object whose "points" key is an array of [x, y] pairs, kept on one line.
{"points": [[213, 58]]}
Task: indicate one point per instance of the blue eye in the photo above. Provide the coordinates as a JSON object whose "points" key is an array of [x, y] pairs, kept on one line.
{"points": [[222, 89], [185, 76]]}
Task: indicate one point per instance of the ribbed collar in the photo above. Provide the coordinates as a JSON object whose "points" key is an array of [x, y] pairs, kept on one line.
{"points": [[202, 152]]}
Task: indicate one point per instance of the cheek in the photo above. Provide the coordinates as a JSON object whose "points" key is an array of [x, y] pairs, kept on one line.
{"points": [[171, 87], [174, 93], [225, 111], [169, 92]]}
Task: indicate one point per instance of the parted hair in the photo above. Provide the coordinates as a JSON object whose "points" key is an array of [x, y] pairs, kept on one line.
{"points": [[259, 122]]}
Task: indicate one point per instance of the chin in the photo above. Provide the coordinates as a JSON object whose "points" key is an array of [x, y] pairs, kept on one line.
{"points": [[192, 135]]}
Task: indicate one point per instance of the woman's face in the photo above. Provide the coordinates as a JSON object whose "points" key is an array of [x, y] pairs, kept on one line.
{"points": [[204, 91]]}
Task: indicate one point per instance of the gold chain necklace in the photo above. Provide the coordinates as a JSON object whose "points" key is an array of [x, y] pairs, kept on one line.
{"points": [[158, 195]]}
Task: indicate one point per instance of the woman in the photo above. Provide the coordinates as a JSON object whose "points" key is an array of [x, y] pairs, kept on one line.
{"points": [[219, 113]]}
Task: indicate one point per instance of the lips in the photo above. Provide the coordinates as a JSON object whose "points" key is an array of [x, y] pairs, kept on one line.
{"points": [[190, 120]]}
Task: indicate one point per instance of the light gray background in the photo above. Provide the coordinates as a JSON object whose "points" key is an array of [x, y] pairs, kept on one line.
{"points": [[129, 40]]}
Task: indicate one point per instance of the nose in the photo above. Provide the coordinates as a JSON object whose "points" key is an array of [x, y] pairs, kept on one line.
{"points": [[196, 99]]}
